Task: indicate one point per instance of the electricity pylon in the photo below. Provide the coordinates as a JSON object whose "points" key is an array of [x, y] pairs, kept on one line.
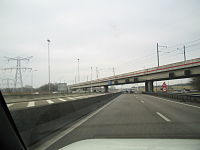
{"points": [[18, 82]]}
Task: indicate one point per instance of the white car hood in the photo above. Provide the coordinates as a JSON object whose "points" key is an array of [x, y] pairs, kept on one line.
{"points": [[135, 144]]}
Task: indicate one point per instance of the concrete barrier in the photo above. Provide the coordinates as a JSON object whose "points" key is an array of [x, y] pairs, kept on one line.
{"points": [[38, 122]]}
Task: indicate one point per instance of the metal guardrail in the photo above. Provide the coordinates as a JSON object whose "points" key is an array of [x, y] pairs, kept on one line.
{"points": [[184, 97]]}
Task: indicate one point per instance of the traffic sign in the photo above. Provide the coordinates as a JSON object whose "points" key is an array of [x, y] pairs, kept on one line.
{"points": [[164, 87]]}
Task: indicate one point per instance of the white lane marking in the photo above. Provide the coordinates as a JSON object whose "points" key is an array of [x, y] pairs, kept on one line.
{"points": [[71, 98], [61, 99], [90, 95], [177, 102], [162, 116], [49, 142], [81, 97], [50, 101], [142, 101], [30, 104], [9, 105]]}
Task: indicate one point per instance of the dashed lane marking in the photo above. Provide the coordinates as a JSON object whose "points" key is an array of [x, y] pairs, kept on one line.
{"points": [[71, 98], [50, 101], [79, 97], [30, 104], [61, 99], [9, 105], [163, 117]]}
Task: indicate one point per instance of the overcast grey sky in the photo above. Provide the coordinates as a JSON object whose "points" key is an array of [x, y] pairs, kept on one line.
{"points": [[102, 33]]}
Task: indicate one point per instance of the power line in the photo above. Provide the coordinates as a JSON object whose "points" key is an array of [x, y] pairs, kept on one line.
{"points": [[190, 50], [184, 43], [138, 58], [193, 45], [177, 49], [170, 51]]}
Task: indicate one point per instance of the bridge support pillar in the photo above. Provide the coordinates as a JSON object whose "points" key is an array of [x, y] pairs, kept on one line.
{"points": [[91, 89], [105, 88], [149, 86]]}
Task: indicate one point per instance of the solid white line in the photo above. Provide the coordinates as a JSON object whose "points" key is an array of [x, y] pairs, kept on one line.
{"points": [[61, 99], [50, 101], [162, 116], [9, 105], [142, 101], [178, 102], [71, 98], [30, 104], [70, 129]]}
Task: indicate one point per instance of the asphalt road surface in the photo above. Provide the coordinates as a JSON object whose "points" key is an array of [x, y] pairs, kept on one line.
{"points": [[134, 116]]}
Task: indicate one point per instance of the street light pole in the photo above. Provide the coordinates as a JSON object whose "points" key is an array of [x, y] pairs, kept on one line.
{"points": [[78, 72], [114, 78], [49, 65], [113, 71], [91, 79], [157, 46], [75, 79], [32, 80], [184, 53], [97, 72], [158, 55]]}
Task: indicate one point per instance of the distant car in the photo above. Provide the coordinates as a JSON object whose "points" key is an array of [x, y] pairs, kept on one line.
{"points": [[128, 91], [131, 91]]}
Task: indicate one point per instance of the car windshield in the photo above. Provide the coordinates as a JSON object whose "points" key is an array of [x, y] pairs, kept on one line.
{"points": [[100, 69]]}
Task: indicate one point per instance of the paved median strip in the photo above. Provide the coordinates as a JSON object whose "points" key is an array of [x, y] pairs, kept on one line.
{"points": [[163, 117], [30, 104], [50, 101]]}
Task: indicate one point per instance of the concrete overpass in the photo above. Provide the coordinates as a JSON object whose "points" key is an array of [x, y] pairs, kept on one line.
{"points": [[184, 69]]}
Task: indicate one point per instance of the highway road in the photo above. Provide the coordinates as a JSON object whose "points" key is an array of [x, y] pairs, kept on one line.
{"points": [[133, 116], [47, 101]]}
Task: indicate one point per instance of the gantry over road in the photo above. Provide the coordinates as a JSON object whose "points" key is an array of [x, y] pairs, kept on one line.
{"points": [[184, 69]]}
